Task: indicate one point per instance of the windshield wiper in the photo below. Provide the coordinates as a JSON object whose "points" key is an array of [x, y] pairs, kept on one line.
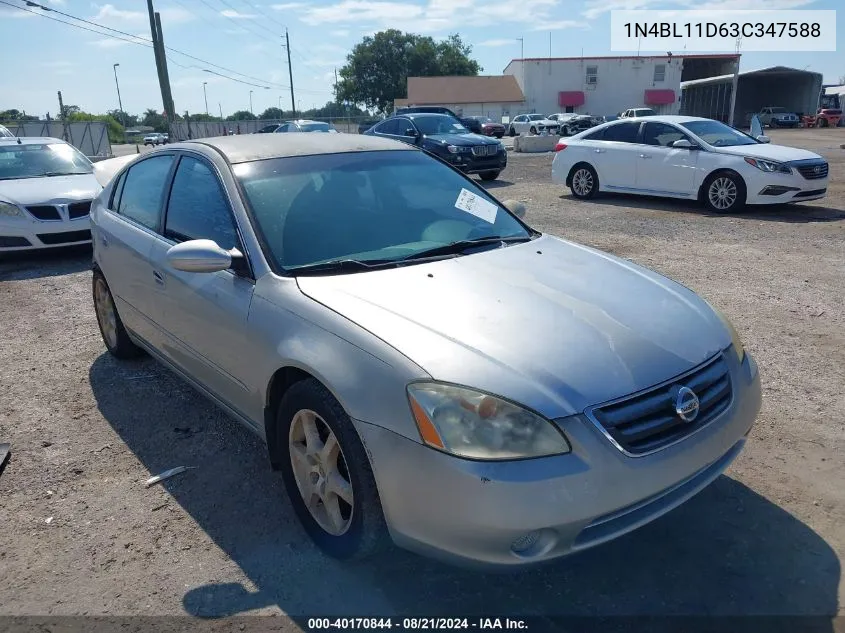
{"points": [[461, 246], [341, 266], [64, 173]]}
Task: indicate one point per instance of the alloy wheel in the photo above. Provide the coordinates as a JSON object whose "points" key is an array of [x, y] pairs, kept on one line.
{"points": [[722, 193], [321, 473], [582, 182], [106, 314]]}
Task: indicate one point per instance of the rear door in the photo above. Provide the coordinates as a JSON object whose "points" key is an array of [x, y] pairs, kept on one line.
{"points": [[662, 169], [615, 156], [203, 315], [125, 235]]}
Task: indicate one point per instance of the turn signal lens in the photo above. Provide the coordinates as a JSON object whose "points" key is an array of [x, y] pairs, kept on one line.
{"points": [[560, 146]]}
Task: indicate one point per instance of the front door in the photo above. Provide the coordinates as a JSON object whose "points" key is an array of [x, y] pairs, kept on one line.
{"points": [[615, 156], [662, 169], [203, 316]]}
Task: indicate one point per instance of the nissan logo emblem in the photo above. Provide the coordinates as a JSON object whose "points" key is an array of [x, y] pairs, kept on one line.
{"points": [[686, 403]]}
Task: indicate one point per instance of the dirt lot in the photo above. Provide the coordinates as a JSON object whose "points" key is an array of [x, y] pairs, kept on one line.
{"points": [[80, 534]]}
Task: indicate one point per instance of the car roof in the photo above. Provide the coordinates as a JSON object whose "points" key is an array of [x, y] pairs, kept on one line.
{"points": [[248, 147], [668, 118], [424, 115], [30, 140]]}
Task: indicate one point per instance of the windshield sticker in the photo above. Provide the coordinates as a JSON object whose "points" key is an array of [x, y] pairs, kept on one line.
{"points": [[477, 206]]}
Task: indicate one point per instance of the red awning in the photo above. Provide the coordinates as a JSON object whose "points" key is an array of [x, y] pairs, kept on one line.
{"points": [[659, 97], [574, 98]]}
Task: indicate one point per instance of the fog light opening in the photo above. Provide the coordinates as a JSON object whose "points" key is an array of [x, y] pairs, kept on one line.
{"points": [[534, 544]]}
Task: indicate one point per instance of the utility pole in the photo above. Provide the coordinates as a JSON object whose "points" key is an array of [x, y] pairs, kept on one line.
{"points": [[290, 74], [205, 96], [160, 34], [62, 116], [734, 83], [250, 103], [120, 102], [161, 64], [220, 105]]}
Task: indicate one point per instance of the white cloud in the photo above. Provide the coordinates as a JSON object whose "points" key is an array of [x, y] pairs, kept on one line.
{"points": [[57, 3], [236, 15], [289, 6], [109, 14], [560, 25], [506, 42]]}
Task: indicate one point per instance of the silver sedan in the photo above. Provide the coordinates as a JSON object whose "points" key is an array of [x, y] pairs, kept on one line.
{"points": [[424, 366]]}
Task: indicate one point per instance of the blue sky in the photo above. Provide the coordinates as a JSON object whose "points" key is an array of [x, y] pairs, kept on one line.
{"points": [[42, 56]]}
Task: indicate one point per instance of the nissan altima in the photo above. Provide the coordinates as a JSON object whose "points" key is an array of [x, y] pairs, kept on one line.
{"points": [[423, 365], [690, 158]]}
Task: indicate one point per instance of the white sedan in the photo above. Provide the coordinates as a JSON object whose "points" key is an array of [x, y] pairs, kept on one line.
{"points": [[690, 158], [46, 188], [532, 124]]}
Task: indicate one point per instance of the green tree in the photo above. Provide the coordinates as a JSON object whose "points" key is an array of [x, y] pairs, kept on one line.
{"points": [[16, 115], [115, 129], [272, 113], [378, 68], [154, 119], [241, 115], [130, 119]]}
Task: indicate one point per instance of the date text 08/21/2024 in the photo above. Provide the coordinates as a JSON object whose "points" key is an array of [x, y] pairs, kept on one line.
{"points": [[415, 624], [725, 29]]}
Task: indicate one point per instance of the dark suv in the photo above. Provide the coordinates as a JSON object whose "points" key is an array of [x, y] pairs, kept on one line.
{"points": [[471, 124]]}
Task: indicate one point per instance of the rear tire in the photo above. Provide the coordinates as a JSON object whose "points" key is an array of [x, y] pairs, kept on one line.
{"points": [[511, 132], [489, 175], [359, 528], [724, 192], [584, 182], [114, 334], [533, 131]]}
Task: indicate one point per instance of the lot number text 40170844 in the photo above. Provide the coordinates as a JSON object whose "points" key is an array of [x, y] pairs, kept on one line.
{"points": [[416, 624]]}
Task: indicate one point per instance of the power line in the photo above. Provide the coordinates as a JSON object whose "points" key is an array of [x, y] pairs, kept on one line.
{"points": [[249, 18], [237, 23], [145, 41], [260, 12]]}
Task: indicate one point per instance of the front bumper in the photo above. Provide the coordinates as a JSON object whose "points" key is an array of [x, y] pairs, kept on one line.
{"points": [[784, 189], [473, 513], [470, 164], [23, 234]]}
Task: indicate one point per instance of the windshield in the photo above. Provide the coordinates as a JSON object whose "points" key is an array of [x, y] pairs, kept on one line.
{"points": [[645, 112], [36, 161], [535, 117], [316, 127], [439, 124], [718, 134], [367, 206]]}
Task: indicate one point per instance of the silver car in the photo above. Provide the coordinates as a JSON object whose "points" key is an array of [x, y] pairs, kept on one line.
{"points": [[424, 367]]}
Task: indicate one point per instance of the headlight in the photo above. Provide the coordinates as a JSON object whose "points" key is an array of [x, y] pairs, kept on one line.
{"points": [[735, 340], [471, 424], [768, 165], [10, 210], [457, 149]]}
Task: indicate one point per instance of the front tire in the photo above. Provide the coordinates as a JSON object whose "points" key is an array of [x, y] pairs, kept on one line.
{"points": [[533, 131], [511, 132], [584, 182], [327, 474], [724, 192], [112, 330], [489, 175]]}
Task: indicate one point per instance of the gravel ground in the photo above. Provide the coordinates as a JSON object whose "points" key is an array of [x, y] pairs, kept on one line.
{"points": [[80, 534]]}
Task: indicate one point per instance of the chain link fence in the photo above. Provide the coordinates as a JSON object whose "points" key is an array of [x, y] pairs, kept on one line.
{"points": [[89, 137]]}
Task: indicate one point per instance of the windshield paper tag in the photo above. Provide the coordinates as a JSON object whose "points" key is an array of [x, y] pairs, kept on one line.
{"points": [[478, 206]]}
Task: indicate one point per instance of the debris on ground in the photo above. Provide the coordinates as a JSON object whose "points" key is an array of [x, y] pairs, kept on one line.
{"points": [[167, 474], [5, 449]]}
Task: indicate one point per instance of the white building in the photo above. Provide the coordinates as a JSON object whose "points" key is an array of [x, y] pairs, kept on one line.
{"points": [[608, 85], [492, 96]]}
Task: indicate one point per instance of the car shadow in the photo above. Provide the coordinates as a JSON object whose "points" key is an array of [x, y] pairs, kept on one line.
{"points": [[728, 551], [20, 266], [494, 184], [790, 213]]}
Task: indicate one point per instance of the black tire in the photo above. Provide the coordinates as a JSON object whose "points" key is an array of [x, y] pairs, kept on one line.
{"points": [[532, 130], [740, 192], [773, 124], [590, 179], [511, 132], [566, 131], [489, 175], [367, 533], [119, 345]]}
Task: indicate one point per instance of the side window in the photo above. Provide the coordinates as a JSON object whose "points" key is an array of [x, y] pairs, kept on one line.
{"points": [[388, 127], [659, 73], [282, 128], [661, 134], [140, 199], [115, 194], [197, 208], [403, 125], [598, 135], [622, 132]]}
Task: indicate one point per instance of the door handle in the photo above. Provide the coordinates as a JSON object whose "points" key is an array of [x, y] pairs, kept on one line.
{"points": [[158, 277], [104, 240], [644, 156], [599, 151]]}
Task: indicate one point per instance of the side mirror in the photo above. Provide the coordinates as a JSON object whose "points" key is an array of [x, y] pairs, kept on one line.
{"points": [[411, 132], [201, 256], [683, 143], [517, 208], [764, 139]]}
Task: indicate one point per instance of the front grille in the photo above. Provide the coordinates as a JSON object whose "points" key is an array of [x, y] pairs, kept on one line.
{"points": [[485, 150], [79, 209], [812, 169], [44, 212], [65, 238], [12, 241], [648, 421]]}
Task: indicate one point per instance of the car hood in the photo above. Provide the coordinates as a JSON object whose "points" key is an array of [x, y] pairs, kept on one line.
{"points": [[49, 190], [461, 139], [551, 324], [780, 153]]}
